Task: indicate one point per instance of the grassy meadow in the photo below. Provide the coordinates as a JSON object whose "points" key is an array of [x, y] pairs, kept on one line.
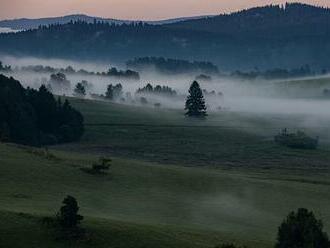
{"points": [[173, 182]]}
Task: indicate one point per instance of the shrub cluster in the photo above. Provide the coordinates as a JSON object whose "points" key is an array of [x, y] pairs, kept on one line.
{"points": [[296, 140], [100, 167]]}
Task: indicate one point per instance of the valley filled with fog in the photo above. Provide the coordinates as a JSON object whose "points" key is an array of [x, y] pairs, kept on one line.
{"points": [[302, 98], [210, 131]]}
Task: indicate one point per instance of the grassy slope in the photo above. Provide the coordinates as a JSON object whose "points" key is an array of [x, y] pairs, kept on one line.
{"points": [[168, 137], [156, 198], [147, 204], [23, 230]]}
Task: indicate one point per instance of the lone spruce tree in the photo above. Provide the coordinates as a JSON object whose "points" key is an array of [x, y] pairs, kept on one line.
{"points": [[195, 103]]}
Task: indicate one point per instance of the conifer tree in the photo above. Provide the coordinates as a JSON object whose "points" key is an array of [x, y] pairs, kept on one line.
{"points": [[301, 229], [195, 103]]}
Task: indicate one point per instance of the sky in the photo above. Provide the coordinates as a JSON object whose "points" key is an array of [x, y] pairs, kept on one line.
{"points": [[131, 9]]}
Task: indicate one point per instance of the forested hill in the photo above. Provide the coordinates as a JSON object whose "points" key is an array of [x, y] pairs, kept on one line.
{"points": [[26, 23], [266, 37], [290, 20]]}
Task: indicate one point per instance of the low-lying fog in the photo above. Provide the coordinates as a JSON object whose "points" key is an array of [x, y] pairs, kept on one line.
{"points": [[259, 97], [8, 30]]}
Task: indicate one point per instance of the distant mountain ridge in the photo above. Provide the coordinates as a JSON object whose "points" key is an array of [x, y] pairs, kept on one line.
{"points": [[25, 23], [302, 19], [265, 37]]}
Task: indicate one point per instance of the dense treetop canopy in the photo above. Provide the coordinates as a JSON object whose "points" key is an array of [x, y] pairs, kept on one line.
{"points": [[35, 117]]}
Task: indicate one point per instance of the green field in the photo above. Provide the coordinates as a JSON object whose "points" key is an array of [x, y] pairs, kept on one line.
{"points": [[174, 182]]}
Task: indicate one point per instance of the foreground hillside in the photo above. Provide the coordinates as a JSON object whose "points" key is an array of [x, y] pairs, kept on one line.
{"points": [[148, 198]]}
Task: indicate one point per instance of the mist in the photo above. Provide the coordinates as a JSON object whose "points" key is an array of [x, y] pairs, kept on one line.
{"points": [[283, 102]]}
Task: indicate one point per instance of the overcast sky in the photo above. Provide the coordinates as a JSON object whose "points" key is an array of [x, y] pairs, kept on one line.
{"points": [[130, 9]]}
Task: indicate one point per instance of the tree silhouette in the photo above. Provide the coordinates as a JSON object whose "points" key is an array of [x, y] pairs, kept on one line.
{"points": [[109, 92], [302, 230], [114, 91], [34, 117], [80, 90], [195, 103], [68, 215]]}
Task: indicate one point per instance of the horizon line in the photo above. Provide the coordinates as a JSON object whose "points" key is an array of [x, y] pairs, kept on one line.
{"points": [[164, 19]]}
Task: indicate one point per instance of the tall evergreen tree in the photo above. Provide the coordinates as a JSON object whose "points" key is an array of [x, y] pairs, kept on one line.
{"points": [[302, 230], [195, 103]]}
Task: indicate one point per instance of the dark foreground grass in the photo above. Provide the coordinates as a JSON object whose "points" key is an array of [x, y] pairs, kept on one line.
{"points": [[139, 204], [20, 230]]}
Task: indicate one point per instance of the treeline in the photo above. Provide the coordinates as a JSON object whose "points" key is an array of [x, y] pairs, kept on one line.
{"points": [[112, 72], [278, 73], [35, 117], [272, 21], [157, 90], [171, 66], [114, 92], [5, 68], [264, 37]]}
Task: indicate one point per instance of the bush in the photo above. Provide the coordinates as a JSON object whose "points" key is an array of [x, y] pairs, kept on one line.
{"points": [[69, 220], [296, 140], [68, 216], [302, 230], [104, 164], [100, 167]]}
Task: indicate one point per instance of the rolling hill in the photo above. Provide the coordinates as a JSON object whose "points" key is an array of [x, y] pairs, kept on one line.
{"points": [[155, 195], [265, 37], [26, 23]]}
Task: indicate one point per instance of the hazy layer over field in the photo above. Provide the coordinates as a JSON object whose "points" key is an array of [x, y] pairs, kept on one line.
{"points": [[303, 98]]}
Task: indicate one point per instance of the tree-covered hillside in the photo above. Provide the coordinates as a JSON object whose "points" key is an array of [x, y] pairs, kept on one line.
{"points": [[267, 37], [274, 21]]}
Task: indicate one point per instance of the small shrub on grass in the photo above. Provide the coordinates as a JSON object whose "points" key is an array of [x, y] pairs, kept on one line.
{"points": [[66, 223], [100, 167], [296, 140], [69, 219]]}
